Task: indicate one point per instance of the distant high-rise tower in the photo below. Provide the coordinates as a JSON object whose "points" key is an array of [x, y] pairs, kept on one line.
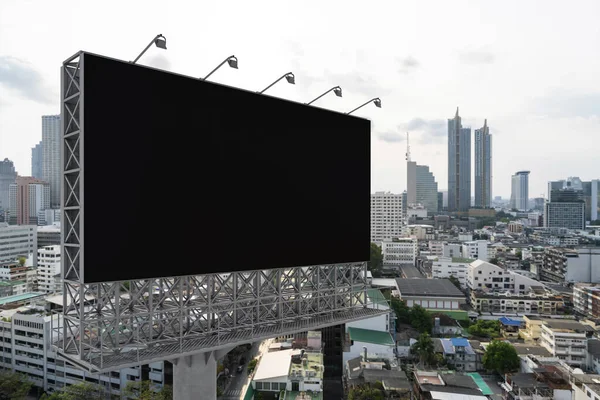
{"points": [[459, 165], [51, 171], [483, 167], [28, 196], [519, 197], [421, 184], [36, 161], [386, 216], [8, 175]]}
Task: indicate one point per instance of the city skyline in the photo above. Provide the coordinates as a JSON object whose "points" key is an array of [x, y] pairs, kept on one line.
{"points": [[533, 98]]}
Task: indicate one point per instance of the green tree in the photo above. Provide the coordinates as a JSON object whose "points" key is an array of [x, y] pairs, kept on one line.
{"points": [[487, 329], [22, 260], [143, 391], [376, 261], [455, 281], [13, 386], [501, 357], [519, 254], [420, 319], [365, 392], [401, 311], [80, 391], [424, 349], [494, 261]]}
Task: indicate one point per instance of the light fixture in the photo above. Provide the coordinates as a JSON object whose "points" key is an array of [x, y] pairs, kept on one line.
{"points": [[160, 41], [231, 60], [336, 89], [288, 77], [376, 100]]}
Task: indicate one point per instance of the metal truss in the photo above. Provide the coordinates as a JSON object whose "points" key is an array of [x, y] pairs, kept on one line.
{"points": [[112, 325]]}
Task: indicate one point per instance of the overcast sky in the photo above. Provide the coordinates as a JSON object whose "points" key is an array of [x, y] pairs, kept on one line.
{"points": [[531, 68]]}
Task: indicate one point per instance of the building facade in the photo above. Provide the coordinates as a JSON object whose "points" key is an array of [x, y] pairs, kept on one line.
{"points": [[483, 167], [571, 265], [445, 267], [36, 161], [519, 197], [51, 168], [459, 165], [8, 176], [386, 216], [566, 340], [17, 241], [400, 251], [48, 271], [422, 187]]}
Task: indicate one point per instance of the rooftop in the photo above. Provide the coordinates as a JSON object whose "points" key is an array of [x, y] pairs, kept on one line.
{"points": [[370, 336], [428, 288], [462, 260], [509, 321], [274, 364], [376, 297], [313, 365], [565, 326], [530, 349], [20, 297]]}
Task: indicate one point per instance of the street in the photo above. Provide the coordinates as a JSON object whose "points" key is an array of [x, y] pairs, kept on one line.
{"points": [[236, 389]]}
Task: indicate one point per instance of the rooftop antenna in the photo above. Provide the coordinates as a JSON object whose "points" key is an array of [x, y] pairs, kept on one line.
{"points": [[407, 147]]}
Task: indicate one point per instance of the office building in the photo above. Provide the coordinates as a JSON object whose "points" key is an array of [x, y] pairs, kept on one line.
{"points": [[562, 265], [519, 197], [48, 235], [17, 241], [400, 251], [386, 216], [483, 167], [440, 196], [591, 197], [27, 197], [36, 161], [51, 168], [459, 165], [566, 208], [8, 176], [422, 187]]}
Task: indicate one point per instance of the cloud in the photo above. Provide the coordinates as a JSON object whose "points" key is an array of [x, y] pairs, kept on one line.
{"points": [[159, 61], [408, 64], [358, 82], [564, 103], [391, 137], [433, 129], [476, 57], [24, 79]]}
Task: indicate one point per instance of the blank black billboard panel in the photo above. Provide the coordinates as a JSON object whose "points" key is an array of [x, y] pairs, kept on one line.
{"points": [[187, 177]]}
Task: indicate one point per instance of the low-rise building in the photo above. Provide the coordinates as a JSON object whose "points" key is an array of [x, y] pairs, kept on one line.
{"points": [[535, 302], [477, 250], [48, 271], [438, 294], [543, 384], [586, 299], [571, 265], [459, 354], [509, 327], [400, 251], [445, 267], [566, 340], [371, 343]]}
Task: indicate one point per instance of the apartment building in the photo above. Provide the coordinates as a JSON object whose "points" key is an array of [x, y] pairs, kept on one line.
{"points": [[48, 271], [25, 347], [17, 241], [571, 265], [445, 267], [436, 247], [476, 250], [586, 299], [400, 251], [386, 216], [483, 276], [566, 340], [531, 303]]}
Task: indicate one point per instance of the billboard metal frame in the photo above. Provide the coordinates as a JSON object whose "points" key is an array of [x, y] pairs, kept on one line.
{"points": [[112, 325]]}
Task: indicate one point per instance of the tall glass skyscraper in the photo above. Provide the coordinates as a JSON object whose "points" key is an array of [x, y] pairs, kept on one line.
{"points": [[422, 187], [8, 176], [459, 165], [519, 197], [51, 170], [483, 167], [36, 161]]}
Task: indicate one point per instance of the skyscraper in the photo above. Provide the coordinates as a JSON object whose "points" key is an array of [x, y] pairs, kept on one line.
{"points": [[386, 216], [36, 161], [51, 171], [422, 187], [28, 196], [566, 207], [483, 167], [459, 165], [8, 175], [519, 197]]}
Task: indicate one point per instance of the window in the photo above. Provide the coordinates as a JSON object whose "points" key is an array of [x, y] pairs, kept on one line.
{"points": [[589, 394]]}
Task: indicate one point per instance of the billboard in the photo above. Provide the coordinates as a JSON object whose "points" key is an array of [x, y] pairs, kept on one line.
{"points": [[186, 177]]}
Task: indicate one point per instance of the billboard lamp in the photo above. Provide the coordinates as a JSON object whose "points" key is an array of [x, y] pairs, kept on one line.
{"points": [[231, 60], [376, 100], [337, 90], [160, 41], [288, 77]]}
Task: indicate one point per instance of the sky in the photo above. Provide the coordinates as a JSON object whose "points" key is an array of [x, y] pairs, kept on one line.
{"points": [[529, 68]]}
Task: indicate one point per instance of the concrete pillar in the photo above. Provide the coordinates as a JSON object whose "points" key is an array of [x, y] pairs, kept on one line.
{"points": [[195, 376]]}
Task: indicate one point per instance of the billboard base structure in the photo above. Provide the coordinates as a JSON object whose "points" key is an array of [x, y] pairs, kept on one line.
{"points": [[108, 326]]}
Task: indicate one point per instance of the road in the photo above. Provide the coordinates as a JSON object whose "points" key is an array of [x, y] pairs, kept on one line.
{"points": [[239, 383]]}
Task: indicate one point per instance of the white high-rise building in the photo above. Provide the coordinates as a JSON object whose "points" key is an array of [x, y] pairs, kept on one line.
{"points": [[400, 251], [51, 170], [386, 216], [48, 271], [17, 241], [519, 197]]}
